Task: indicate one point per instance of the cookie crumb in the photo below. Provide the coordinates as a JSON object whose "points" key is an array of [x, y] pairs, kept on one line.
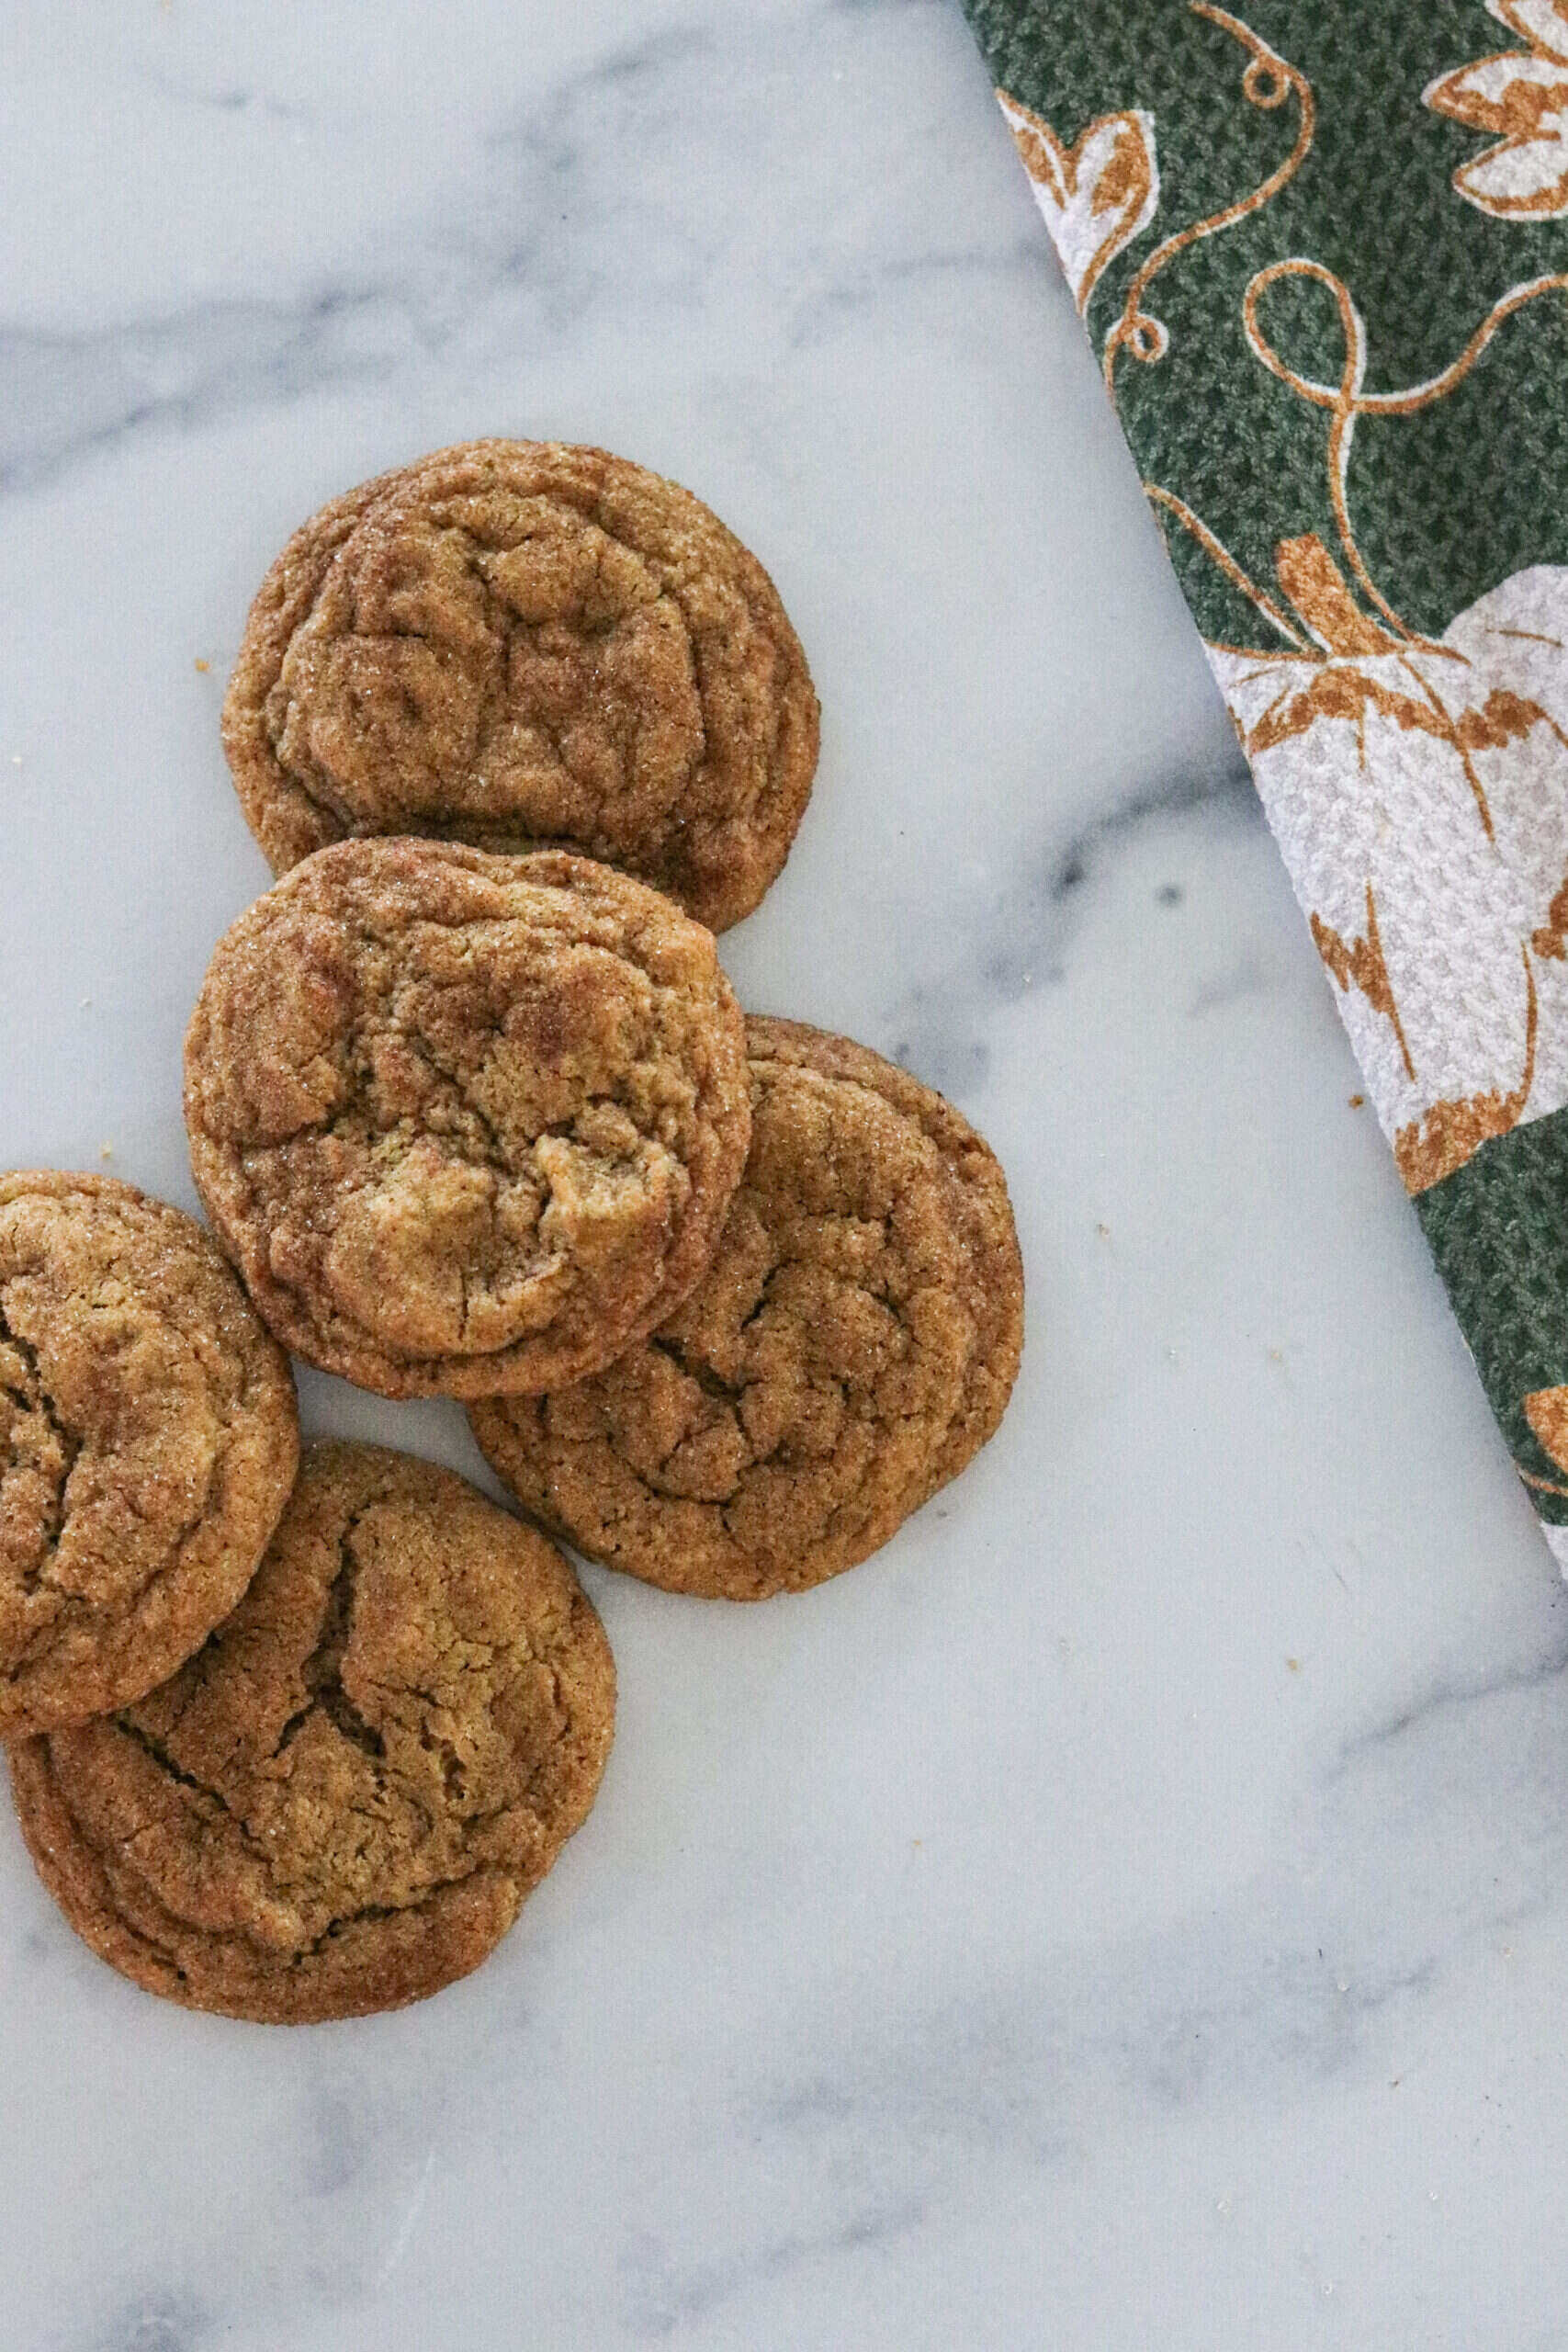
{"points": [[1357, 1101], [106, 1151], [204, 666]]}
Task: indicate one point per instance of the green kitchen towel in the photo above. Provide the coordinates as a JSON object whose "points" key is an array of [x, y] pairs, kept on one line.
{"points": [[1320, 249]]}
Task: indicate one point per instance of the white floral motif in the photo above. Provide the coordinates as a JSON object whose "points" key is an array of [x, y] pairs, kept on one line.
{"points": [[1521, 97]]}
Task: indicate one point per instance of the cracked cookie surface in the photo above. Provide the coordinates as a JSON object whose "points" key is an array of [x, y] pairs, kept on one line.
{"points": [[851, 1348], [467, 1125], [339, 1804], [148, 1441], [522, 643]]}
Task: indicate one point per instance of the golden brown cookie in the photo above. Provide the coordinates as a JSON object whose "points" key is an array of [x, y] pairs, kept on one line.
{"points": [[520, 644], [467, 1125], [340, 1803], [148, 1441], [853, 1345]]}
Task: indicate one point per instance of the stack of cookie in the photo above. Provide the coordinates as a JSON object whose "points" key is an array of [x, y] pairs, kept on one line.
{"points": [[474, 1112]]}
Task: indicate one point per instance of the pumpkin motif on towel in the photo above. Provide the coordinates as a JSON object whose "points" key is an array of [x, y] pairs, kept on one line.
{"points": [[1419, 787]]}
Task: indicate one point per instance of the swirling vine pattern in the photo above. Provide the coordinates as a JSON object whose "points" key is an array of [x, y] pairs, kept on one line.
{"points": [[1266, 83], [1349, 400]]}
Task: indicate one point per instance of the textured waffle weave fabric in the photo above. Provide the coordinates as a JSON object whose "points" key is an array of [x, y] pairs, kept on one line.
{"points": [[1320, 249]]}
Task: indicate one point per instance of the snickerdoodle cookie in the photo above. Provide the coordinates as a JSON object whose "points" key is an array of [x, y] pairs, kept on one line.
{"points": [[468, 1124], [148, 1441], [853, 1345], [340, 1803], [517, 644]]}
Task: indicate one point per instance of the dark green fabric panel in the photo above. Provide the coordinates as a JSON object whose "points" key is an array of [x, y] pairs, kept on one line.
{"points": [[1374, 202]]}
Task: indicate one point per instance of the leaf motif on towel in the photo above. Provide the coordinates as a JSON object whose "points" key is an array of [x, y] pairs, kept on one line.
{"points": [[1096, 196], [1100, 194], [1359, 964]]}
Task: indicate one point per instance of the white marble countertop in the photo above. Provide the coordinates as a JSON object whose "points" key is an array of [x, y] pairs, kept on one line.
{"points": [[1133, 1909]]}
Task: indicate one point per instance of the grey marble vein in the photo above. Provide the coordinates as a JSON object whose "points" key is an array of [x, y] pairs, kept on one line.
{"points": [[1026, 936], [551, 216]]}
